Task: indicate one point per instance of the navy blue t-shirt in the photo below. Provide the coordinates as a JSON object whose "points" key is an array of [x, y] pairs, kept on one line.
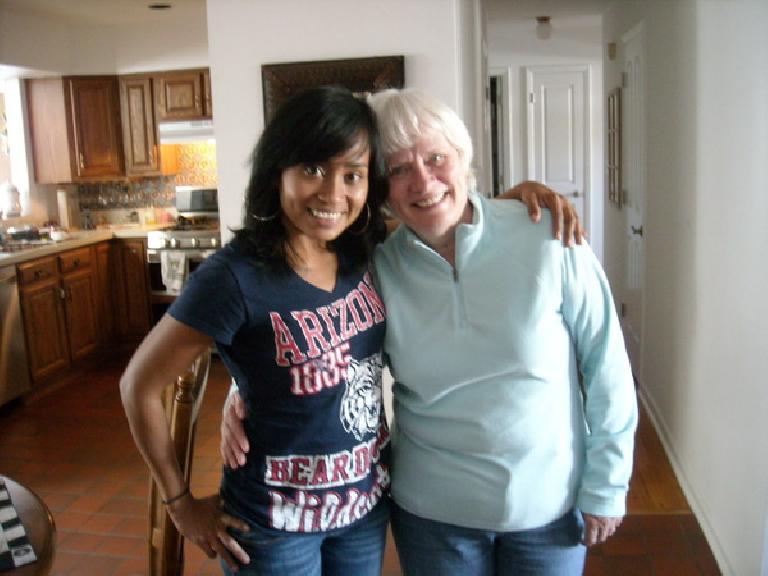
{"points": [[308, 365]]}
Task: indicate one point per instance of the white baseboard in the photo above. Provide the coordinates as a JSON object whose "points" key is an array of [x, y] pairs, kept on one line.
{"points": [[701, 517]]}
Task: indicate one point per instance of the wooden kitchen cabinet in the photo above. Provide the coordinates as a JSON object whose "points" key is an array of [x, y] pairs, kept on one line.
{"points": [[44, 325], [80, 311], [183, 95], [59, 296], [133, 312], [140, 138], [79, 289], [75, 128], [106, 273]]}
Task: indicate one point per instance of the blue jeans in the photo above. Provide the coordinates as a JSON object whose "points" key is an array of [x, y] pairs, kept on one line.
{"points": [[357, 549], [430, 548]]}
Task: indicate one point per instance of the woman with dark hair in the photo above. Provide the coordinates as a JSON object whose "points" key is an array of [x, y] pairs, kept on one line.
{"points": [[294, 314]]}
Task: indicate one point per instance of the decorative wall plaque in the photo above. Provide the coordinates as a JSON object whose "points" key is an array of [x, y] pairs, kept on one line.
{"points": [[360, 75]]}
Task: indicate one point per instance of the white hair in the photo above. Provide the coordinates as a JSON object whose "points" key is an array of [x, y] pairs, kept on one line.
{"points": [[403, 116]]}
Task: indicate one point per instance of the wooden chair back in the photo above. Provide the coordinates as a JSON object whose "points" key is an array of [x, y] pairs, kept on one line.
{"points": [[182, 406]]}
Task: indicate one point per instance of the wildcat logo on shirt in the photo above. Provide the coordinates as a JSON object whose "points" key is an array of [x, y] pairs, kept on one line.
{"points": [[324, 359], [361, 405]]}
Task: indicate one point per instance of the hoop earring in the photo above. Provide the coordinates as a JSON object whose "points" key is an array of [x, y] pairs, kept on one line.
{"points": [[265, 218], [367, 221]]}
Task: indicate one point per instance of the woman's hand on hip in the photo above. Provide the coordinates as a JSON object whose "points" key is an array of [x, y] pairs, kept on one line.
{"points": [[597, 529], [202, 522]]}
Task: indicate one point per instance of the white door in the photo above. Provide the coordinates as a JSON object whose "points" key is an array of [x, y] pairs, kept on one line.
{"points": [[633, 189], [558, 150]]}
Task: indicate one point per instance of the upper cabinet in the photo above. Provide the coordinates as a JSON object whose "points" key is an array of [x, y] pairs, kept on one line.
{"points": [[142, 155], [90, 128], [75, 128], [183, 95]]}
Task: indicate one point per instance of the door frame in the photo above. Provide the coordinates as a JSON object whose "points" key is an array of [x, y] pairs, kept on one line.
{"points": [[503, 76], [634, 340]]}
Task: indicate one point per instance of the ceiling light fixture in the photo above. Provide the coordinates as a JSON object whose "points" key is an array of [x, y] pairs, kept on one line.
{"points": [[543, 27]]}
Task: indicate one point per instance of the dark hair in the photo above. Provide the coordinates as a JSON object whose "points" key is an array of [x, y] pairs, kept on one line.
{"points": [[313, 126]]}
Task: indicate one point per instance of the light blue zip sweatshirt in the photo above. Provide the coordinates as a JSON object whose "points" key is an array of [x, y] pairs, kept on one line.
{"points": [[491, 428]]}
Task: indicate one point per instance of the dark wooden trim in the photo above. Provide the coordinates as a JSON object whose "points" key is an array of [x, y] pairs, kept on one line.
{"points": [[360, 75]]}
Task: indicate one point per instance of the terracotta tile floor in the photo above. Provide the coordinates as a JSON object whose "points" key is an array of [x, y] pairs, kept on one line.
{"points": [[73, 447]]}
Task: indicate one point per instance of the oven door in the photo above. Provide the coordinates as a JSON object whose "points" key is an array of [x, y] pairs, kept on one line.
{"points": [[169, 268]]}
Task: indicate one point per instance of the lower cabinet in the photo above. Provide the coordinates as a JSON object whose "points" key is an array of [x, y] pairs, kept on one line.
{"points": [[81, 300], [106, 272], [132, 289], [44, 326], [80, 313]]}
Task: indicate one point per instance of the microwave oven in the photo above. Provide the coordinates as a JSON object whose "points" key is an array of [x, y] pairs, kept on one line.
{"points": [[193, 199]]}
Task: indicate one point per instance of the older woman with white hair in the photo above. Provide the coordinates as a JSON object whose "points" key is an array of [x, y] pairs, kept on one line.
{"points": [[515, 409]]}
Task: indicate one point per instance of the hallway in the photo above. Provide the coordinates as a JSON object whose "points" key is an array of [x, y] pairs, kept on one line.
{"points": [[73, 447]]}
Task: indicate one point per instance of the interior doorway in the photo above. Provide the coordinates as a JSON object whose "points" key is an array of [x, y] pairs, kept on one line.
{"points": [[558, 148], [498, 103]]}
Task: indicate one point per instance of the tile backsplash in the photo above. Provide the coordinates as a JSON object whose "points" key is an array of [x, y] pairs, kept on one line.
{"points": [[192, 164], [151, 192]]}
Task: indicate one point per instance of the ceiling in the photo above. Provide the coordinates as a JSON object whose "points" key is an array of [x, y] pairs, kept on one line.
{"points": [[126, 12], [104, 12], [116, 12], [524, 9]]}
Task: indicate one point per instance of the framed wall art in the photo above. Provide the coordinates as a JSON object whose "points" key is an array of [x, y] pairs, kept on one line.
{"points": [[614, 147], [360, 75]]}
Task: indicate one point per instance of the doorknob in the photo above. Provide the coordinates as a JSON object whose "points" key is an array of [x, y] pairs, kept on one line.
{"points": [[575, 194], [637, 231]]}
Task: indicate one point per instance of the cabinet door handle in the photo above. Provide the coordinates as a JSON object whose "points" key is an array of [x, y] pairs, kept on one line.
{"points": [[62, 294], [76, 262], [82, 160]]}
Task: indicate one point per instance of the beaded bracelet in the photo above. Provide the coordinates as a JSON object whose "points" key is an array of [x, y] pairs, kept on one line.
{"points": [[177, 497]]}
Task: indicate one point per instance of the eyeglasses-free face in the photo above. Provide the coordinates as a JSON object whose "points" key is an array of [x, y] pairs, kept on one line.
{"points": [[428, 188], [320, 201]]}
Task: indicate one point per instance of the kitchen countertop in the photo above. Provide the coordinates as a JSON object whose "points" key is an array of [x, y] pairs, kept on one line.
{"points": [[77, 239]]}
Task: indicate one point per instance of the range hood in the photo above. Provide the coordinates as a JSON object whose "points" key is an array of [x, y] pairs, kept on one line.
{"points": [[185, 132]]}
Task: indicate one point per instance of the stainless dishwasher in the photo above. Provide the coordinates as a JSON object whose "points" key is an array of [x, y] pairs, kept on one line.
{"points": [[14, 372]]}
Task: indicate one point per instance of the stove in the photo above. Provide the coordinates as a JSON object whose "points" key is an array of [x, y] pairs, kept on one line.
{"points": [[174, 253], [183, 239]]}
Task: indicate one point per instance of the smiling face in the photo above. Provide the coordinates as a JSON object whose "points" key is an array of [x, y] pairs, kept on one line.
{"points": [[428, 188], [321, 200]]}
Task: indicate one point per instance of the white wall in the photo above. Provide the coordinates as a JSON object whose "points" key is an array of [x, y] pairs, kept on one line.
{"points": [[705, 347], [243, 35], [576, 39]]}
